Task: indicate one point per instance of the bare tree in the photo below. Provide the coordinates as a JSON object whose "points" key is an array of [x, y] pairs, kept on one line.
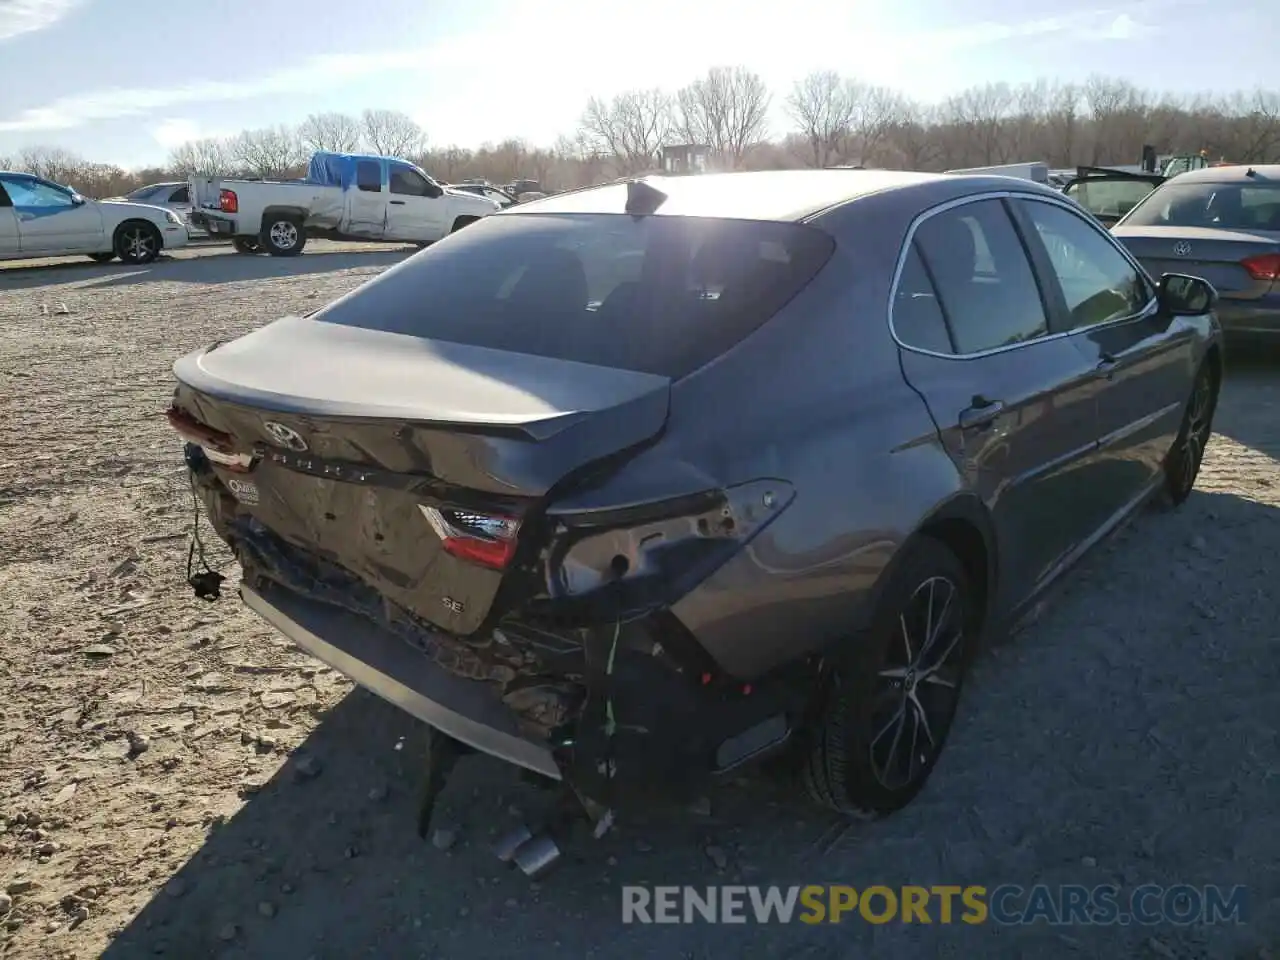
{"points": [[338, 132], [822, 109], [978, 117], [208, 157], [52, 163], [390, 133], [727, 111], [1062, 124], [1119, 114], [632, 128], [875, 111], [269, 152], [1259, 126]]}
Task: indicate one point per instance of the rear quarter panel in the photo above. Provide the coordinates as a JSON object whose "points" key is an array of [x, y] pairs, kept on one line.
{"points": [[815, 398]]}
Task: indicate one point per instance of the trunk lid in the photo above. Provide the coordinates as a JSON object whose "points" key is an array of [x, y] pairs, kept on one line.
{"points": [[413, 464], [1214, 254]]}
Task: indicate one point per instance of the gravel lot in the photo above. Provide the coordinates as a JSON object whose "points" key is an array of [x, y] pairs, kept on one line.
{"points": [[177, 781]]}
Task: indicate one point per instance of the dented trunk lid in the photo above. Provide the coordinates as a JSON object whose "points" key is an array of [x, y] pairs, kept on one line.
{"points": [[367, 441]]}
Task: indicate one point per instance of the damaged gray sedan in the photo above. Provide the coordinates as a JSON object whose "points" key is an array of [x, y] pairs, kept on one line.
{"points": [[634, 485]]}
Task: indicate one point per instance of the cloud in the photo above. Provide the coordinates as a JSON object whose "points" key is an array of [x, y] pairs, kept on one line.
{"points": [[27, 16], [315, 74], [1123, 27]]}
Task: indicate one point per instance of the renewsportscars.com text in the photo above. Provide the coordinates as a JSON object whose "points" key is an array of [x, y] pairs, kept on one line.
{"points": [[1008, 904]]}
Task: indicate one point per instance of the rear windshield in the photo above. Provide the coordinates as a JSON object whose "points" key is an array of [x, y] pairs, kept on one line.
{"points": [[1226, 206], [662, 295]]}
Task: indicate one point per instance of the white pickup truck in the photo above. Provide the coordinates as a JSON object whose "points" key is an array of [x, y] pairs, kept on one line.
{"points": [[344, 197]]}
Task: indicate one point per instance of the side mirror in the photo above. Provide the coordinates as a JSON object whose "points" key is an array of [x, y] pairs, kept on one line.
{"points": [[77, 200], [434, 190], [1184, 296]]}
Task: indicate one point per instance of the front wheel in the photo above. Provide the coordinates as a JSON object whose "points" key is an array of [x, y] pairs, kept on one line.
{"points": [[1182, 463], [248, 246], [891, 700], [282, 237], [137, 242]]}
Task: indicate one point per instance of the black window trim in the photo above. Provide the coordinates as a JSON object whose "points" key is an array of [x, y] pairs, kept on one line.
{"points": [[1005, 195]]}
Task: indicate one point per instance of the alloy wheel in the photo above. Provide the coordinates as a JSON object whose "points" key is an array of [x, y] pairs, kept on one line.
{"points": [[284, 235], [918, 687], [139, 244]]}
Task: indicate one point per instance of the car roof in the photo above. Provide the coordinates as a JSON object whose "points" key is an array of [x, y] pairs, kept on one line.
{"points": [[1236, 173], [757, 195]]}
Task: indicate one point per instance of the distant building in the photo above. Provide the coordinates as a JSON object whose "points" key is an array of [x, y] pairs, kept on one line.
{"points": [[685, 158]]}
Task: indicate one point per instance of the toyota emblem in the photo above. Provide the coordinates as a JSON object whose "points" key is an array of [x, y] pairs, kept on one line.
{"points": [[1182, 248], [284, 436]]}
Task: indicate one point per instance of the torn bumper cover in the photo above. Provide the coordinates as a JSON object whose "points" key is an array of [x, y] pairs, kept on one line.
{"points": [[617, 700], [383, 663]]}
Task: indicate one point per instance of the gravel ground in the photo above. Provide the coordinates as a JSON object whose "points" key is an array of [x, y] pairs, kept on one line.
{"points": [[176, 780]]}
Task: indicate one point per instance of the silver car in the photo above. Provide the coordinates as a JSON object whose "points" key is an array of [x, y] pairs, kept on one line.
{"points": [[175, 196]]}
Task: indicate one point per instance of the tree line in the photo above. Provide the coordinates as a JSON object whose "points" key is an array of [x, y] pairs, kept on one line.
{"points": [[830, 120]]}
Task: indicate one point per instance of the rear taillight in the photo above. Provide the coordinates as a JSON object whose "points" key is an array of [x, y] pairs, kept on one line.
{"points": [[1264, 267], [219, 447], [486, 539], [228, 202]]}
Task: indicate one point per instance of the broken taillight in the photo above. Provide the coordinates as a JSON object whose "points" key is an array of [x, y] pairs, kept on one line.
{"points": [[486, 539], [218, 447]]}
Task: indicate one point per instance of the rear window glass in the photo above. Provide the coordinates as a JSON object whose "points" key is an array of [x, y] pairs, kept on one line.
{"points": [[662, 295], [1226, 206]]}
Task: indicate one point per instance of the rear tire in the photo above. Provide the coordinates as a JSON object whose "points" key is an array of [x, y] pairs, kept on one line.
{"points": [[282, 236], [249, 246], [102, 257], [891, 699], [137, 242]]}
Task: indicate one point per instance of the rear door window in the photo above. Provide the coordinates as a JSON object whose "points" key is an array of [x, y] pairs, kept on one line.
{"points": [[918, 319], [369, 176], [983, 277], [663, 295]]}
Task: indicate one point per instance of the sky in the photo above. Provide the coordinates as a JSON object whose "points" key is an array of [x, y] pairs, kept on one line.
{"points": [[124, 82]]}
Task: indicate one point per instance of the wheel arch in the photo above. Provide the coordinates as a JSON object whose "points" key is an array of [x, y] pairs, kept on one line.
{"points": [[963, 524], [282, 211]]}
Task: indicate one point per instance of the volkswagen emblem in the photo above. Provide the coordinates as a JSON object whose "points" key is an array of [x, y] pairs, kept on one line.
{"points": [[284, 436], [1182, 248]]}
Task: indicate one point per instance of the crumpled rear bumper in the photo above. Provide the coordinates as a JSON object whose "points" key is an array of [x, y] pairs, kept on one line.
{"points": [[383, 663]]}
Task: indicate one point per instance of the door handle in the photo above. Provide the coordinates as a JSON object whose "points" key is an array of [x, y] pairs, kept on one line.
{"points": [[980, 414], [398, 203], [24, 217], [1107, 365]]}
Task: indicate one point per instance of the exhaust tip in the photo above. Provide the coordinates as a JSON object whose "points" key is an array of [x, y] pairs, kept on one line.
{"points": [[510, 842], [538, 856]]}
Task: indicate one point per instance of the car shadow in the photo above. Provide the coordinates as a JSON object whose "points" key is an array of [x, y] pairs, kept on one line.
{"points": [[1253, 373], [1097, 732], [220, 267]]}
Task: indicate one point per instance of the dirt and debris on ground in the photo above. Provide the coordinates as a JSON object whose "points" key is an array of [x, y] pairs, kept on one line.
{"points": [[176, 780]]}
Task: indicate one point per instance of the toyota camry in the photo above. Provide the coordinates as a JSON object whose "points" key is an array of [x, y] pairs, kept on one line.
{"points": [[633, 485]]}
